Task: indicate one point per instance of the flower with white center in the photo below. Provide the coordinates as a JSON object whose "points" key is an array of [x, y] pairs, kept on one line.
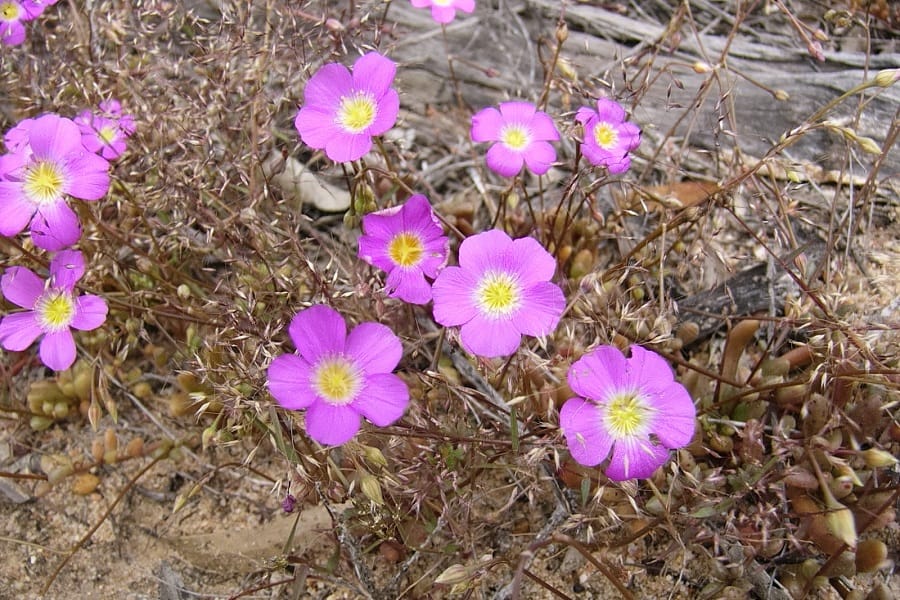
{"points": [[521, 136]]}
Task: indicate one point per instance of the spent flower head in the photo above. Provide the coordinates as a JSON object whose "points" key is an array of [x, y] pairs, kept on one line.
{"points": [[408, 243], [37, 177], [341, 112], [53, 309], [339, 378], [444, 11], [631, 406], [521, 136], [608, 137], [500, 291], [104, 133]]}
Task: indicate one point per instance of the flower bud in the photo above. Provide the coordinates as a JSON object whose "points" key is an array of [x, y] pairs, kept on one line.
{"points": [[840, 523], [868, 145], [371, 488], [701, 67], [374, 456], [876, 458], [887, 77]]}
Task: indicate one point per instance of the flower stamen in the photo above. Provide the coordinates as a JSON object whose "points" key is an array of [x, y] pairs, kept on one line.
{"points": [[356, 113], [406, 249], [498, 294], [337, 380], [43, 182], [605, 135], [627, 415], [515, 137], [55, 310]]}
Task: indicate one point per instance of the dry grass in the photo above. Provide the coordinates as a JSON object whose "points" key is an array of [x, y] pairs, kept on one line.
{"points": [[204, 259]]}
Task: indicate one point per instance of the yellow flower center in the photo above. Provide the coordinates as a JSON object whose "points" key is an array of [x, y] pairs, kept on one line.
{"points": [[498, 294], [9, 11], [337, 380], [605, 135], [406, 249], [108, 134], [515, 137], [442, 2], [55, 310], [357, 112], [627, 415], [43, 182]]}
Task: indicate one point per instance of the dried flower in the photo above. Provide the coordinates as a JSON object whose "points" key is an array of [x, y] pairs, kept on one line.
{"points": [[409, 244], [500, 291], [521, 136], [341, 112], [338, 377], [53, 310], [444, 11], [630, 406], [608, 138], [37, 177]]}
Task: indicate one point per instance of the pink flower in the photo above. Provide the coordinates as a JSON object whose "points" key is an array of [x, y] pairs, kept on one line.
{"points": [[337, 377], [105, 133], [444, 11], [632, 406], [12, 14], [408, 243], [522, 135], [607, 137], [341, 112], [500, 291], [35, 180], [53, 310]]}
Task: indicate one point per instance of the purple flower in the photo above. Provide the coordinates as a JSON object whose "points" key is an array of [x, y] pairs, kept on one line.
{"points": [[337, 377], [500, 291], [35, 180], [12, 14], [607, 137], [105, 133], [632, 406], [53, 310], [409, 244], [444, 11], [522, 135], [341, 112]]}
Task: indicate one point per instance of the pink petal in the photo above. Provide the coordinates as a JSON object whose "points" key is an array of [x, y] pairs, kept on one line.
{"points": [[620, 165], [453, 297], [12, 33], [443, 14], [331, 425], [417, 215], [346, 147], [540, 157], [19, 330], [504, 161], [288, 379], [90, 312], [55, 226], [492, 249], [582, 424], [542, 306], [599, 374], [88, 177], [374, 348], [384, 399], [324, 90], [374, 251], [528, 259], [648, 369], [517, 112], [610, 111], [585, 114], [16, 210], [543, 128], [52, 137], [409, 285], [319, 330], [386, 111], [374, 73], [66, 268], [635, 459], [490, 337], [21, 286], [57, 350], [486, 125], [315, 126]]}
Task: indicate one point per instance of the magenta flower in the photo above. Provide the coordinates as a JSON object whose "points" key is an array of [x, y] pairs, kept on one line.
{"points": [[522, 135], [339, 378], [53, 310], [105, 133], [444, 11], [341, 112], [37, 178], [500, 291], [632, 406], [408, 243], [12, 14], [608, 138]]}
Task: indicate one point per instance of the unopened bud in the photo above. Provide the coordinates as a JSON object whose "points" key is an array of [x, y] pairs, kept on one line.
{"points": [[374, 456], [371, 488], [562, 32], [452, 575], [841, 525], [876, 458], [701, 67], [887, 77], [781, 95], [868, 145]]}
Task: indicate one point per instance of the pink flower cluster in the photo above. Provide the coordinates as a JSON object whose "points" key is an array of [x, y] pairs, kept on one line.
{"points": [[13, 13]]}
